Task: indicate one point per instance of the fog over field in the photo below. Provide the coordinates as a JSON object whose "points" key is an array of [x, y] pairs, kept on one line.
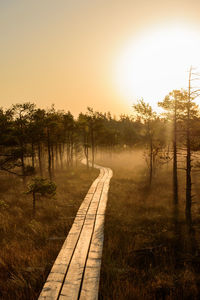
{"points": [[100, 150]]}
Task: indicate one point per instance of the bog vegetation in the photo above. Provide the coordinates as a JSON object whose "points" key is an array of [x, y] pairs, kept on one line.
{"points": [[152, 222]]}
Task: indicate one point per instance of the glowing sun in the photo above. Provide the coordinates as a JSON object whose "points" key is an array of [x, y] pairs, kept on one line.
{"points": [[157, 62]]}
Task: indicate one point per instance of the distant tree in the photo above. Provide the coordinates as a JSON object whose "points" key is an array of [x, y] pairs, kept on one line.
{"points": [[129, 130], [108, 133], [37, 136], [149, 118], [92, 127], [22, 114], [69, 126], [84, 131], [40, 186], [9, 152], [52, 121], [95, 122], [174, 105]]}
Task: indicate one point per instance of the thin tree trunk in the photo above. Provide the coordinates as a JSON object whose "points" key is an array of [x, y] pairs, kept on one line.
{"points": [[39, 159], [151, 161], [92, 144], [86, 150], [86, 156], [72, 150], [49, 154], [57, 163], [53, 160], [76, 157], [32, 155], [23, 165], [68, 154], [168, 150], [61, 156], [188, 159], [68, 150], [175, 176]]}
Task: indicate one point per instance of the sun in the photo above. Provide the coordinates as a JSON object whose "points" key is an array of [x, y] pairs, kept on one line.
{"points": [[157, 61]]}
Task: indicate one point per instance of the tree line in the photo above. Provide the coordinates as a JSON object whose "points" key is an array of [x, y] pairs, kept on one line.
{"points": [[38, 140]]}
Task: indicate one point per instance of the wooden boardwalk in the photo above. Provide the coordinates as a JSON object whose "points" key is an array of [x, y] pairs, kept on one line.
{"points": [[76, 271]]}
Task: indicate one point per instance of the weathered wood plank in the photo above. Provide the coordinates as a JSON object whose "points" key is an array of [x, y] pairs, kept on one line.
{"points": [[71, 287], [90, 285], [53, 285], [75, 273]]}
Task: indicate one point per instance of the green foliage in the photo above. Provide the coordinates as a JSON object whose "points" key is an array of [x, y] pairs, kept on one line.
{"points": [[176, 98], [42, 186], [176, 103], [144, 111]]}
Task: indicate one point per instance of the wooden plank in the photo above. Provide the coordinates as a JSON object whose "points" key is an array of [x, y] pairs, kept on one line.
{"points": [[71, 287], [56, 277], [77, 268], [90, 285]]}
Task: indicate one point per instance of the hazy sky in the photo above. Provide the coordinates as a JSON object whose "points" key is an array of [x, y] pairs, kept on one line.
{"points": [[65, 51]]}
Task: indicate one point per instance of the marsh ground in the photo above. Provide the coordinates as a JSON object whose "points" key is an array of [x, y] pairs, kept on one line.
{"points": [[149, 252], [28, 247]]}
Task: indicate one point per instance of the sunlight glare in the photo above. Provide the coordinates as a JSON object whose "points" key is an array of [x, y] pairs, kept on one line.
{"points": [[157, 62]]}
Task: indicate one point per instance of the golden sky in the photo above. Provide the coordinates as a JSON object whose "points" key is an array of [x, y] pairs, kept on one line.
{"points": [[66, 51]]}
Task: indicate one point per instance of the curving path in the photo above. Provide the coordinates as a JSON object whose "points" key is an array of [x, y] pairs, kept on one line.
{"points": [[76, 271]]}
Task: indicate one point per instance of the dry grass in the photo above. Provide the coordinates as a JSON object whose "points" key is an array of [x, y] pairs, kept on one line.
{"points": [[148, 251], [29, 246]]}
